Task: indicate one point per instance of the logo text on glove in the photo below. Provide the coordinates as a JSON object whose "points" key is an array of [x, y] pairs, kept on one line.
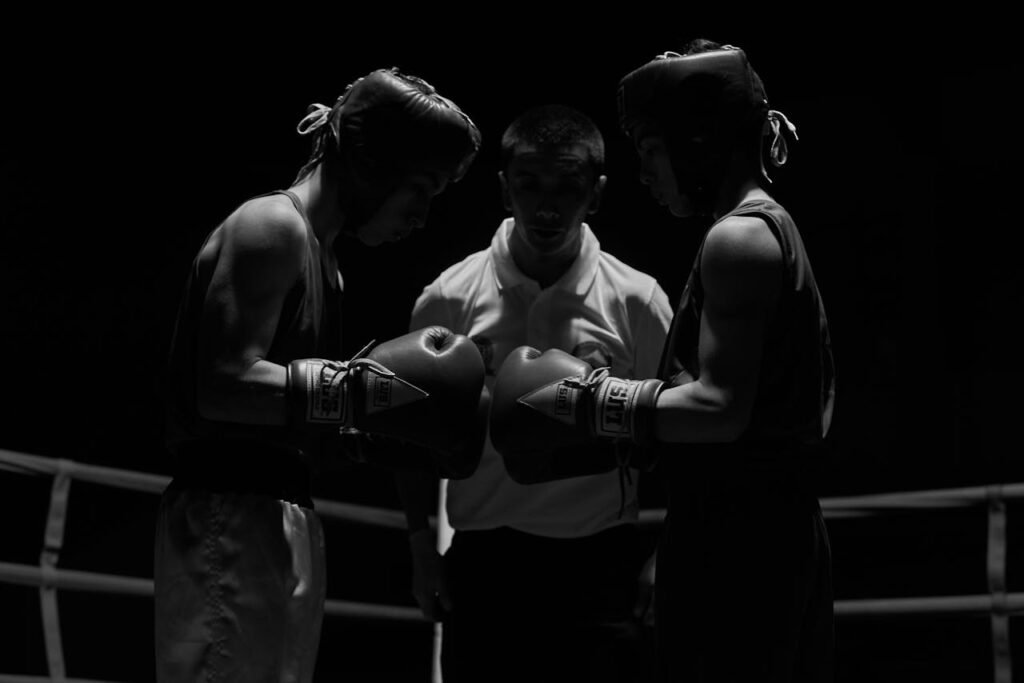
{"points": [[326, 387], [563, 400], [382, 392], [614, 405]]}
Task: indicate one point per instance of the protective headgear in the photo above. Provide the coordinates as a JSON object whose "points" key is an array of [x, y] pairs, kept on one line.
{"points": [[706, 106], [387, 124]]}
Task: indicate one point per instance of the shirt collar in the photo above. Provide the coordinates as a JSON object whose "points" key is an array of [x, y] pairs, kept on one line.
{"points": [[577, 279]]}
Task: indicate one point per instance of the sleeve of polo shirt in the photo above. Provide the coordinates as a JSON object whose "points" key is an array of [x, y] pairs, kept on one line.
{"points": [[650, 332], [431, 309]]}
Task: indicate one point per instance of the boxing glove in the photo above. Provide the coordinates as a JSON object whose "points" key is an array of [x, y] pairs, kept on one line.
{"points": [[553, 416], [423, 388], [458, 461]]}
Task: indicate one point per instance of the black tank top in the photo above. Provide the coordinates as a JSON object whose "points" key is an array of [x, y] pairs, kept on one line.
{"points": [[796, 387], [309, 327]]}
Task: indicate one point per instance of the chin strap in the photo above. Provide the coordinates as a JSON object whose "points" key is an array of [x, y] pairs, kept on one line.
{"points": [[778, 152], [313, 124], [317, 117]]}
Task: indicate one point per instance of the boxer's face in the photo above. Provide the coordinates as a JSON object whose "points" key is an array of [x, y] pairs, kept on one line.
{"points": [[656, 172], [404, 210], [550, 191]]}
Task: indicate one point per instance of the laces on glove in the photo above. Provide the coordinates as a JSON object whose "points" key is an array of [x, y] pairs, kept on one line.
{"points": [[357, 362], [621, 444], [622, 455], [356, 440], [354, 365], [590, 382]]}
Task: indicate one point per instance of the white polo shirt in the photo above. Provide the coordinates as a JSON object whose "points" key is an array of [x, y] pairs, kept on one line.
{"points": [[601, 310]]}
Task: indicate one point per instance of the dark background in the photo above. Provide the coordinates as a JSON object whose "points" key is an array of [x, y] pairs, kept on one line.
{"points": [[123, 147]]}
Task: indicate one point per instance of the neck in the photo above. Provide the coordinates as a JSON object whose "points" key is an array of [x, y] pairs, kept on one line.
{"points": [[546, 269], [323, 205], [735, 192]]}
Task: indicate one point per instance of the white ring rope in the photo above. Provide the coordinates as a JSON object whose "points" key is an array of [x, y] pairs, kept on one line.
{"points": [[73, 579], [954, 604], [998, 604], [832, 508], [877, 503], [15, 678], [156, 483]]}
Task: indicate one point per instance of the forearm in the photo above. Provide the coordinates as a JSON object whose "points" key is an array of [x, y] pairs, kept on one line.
{"points": [[698, 413], [251, 395], [552, 410]]}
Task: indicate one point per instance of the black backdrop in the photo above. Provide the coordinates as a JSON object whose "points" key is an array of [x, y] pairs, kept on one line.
{"points": [[124, 147]]}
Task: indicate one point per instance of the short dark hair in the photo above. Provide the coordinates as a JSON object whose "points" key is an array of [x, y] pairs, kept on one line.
{"points": [[553, 124]]}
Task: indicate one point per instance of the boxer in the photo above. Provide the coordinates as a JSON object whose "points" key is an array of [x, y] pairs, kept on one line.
{"points": [[736, 417], [258, 393]]}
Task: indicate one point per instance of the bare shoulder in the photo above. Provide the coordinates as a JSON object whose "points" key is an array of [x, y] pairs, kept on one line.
{"points": [[264, 243], [266, 224], [742, 239], [742, 261]]}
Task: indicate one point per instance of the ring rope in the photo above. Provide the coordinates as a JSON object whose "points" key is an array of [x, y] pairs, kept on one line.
{"points": [[156, 483], [945, 605], [14, 678], [849, 507], [76, 580], [832, 508], [998, 604]]}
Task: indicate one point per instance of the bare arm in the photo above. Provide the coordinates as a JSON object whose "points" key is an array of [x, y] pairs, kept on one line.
{"points": [[741, 270], [261, 252], [653, 322]]}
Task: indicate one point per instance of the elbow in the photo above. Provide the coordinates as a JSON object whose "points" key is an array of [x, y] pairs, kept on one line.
{"points": [[732, 428], [726, 414], [734, 419], [207, 405], [212, 388], [703, 413]]}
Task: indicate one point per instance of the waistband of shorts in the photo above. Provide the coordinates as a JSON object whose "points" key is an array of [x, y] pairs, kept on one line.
{"points": [[242, 466], [765, 461]]}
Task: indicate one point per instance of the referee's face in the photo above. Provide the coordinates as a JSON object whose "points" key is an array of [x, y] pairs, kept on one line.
{"points": [[550, 190]]}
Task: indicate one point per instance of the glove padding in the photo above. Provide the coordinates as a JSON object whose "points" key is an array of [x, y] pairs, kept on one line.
{"points": [[423, 388], [396, 453], [554, 416]]}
